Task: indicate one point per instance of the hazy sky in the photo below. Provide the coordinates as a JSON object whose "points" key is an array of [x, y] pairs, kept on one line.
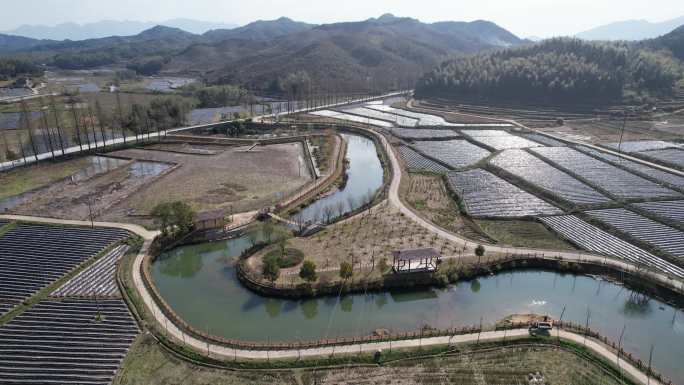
{"points": [[542, 18]]}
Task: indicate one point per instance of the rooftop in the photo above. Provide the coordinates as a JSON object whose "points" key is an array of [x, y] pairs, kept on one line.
{"points": [[416, 254]]}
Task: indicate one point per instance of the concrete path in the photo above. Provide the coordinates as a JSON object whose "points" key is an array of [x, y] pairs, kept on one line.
{"points": [[139, 230], [470, 245], [102, 144]]}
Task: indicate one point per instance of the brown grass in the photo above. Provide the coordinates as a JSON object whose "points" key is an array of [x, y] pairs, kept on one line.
{"points": [[232, 179], [428, 195], [363, 240], [147, 363]]}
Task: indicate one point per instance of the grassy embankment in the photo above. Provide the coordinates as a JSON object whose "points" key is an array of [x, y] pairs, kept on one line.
{"points": [[148, 363]]}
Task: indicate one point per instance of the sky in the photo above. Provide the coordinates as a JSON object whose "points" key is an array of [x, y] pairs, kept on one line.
{"points": [[540, 18]]}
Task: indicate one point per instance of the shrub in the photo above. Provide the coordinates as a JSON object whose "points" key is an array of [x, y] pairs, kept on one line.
{"points": [[308, 271], [479, 250], [346, 270], [271, 270], [290, 258]]}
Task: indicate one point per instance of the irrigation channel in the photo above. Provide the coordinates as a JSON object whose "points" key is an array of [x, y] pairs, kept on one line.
{"points": [[200, 283]]}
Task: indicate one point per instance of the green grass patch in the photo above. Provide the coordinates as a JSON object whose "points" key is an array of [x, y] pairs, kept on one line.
{"points": [[291, 258], [520, 233], [4, 229], [28, 178]]}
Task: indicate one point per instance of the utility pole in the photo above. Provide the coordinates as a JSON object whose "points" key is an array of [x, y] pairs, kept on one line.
{"points": [[586, 326], [620, 350], [622, 131], [90, 212], [560, 321], [650, 360]]}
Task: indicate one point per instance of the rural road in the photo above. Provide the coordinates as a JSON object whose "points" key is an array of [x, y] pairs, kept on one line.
{"points": [[394, 198], [224, 352], [470, 245], [152, 135]]}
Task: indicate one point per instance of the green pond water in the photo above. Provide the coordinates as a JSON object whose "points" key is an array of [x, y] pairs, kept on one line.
{"points": [[200, 283]]}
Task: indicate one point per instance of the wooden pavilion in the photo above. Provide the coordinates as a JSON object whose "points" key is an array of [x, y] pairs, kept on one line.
{"points": [[415, 261]]}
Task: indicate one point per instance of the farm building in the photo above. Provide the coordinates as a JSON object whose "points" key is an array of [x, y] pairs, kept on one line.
{"points": [[209, 220], [416, 260]]}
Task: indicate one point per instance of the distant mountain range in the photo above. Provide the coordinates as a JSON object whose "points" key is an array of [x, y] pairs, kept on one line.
{"points": [[631, 30], [384, 52], [106, 28]]}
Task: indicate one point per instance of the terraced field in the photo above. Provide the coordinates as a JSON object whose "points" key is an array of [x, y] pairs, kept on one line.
{"points": [[424, 133], [543, 139], [541, 174], [619, 183], [656, 234], [418, 163], [453, 153], [35, 256], [423, 119], [641, 145], [591, 238], [485, 195], [499, 139], [351, 118], [670, 157], [672, 180], [398, 120], [98, 280], [73, 341], [669, 210]]}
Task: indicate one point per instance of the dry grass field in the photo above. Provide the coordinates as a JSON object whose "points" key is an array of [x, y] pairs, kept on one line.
{"points": [[148, 364], [363, 240], [428, 195], [230, 179]]}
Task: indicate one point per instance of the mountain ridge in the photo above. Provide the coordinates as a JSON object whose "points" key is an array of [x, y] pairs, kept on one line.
{"points": [[631, 30], [108, 28]]}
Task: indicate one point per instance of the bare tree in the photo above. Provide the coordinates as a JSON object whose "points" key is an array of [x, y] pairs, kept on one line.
{"points": [[328, 213], [74, 114], [58, 126], [119, 110], [26, 125], [351, 202], [46, 127], [340, 208]]}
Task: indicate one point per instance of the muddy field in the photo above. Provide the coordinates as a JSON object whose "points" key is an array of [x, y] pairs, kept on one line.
{"points": [[77, 198], [213, 177]]}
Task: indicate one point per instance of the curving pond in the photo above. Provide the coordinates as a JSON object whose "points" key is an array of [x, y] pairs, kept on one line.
{"points": [[199, 282], [201, 285], [364, 176]]}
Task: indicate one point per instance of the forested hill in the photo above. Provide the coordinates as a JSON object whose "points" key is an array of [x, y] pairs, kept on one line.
{"points": [[556, 70], [673, 41], [379, 53]]}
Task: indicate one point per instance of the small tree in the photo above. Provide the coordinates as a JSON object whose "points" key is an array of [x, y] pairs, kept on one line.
{"points": [[346, 270], [308, 271], [328, 212], [267, 230], [479, 250], [174, 218], [271, 269], [382, 265]]}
